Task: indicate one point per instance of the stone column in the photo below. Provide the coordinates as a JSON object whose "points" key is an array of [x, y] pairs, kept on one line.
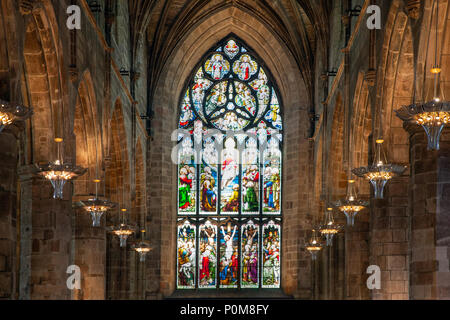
{"points": [[90, 256], [8, 218], [26, 174], [389, 240], [324, 274], [430, 207], [357, 257], [340, 266], [46, 234]]}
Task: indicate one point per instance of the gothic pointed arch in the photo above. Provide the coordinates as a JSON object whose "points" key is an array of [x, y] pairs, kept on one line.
{"points": [[87, 133], [45, 83], [229, 173], [163, 174]]}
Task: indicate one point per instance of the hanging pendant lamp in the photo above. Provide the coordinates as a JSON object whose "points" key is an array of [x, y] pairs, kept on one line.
{"points": [[97, 207], [351, 205], [123, 231], [11, 112], [142, 247], [380, 172], [58, 172], [329, 228], [433, 115], [314, 245]]}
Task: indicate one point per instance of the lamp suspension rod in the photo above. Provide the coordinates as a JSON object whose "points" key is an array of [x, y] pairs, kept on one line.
{"points": [[324, 145], [436, 75], [58, 149]]}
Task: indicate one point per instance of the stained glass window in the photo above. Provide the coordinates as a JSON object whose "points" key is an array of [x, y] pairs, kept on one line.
{"points": [[229, 174]]}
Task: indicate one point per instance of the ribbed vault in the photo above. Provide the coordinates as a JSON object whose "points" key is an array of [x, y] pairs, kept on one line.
{"points": [[301, 25]]}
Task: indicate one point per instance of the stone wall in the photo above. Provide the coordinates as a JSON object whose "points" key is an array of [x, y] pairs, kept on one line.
{"points": [[72, 83]]}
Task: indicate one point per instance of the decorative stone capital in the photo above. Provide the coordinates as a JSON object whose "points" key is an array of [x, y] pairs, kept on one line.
{"points": [[26, 6], [413, 8], [370, 77], [73, 71]]}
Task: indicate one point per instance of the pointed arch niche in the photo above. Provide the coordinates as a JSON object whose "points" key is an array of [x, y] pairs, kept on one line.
{"points": [[163, 173]]}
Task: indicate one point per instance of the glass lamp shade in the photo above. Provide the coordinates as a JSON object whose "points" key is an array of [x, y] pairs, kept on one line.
{"points": [[329, 228], [97, 207], [381, 172], [433, 116], [351, 205], [58, 174], [10, 112], [123, 232], [142, 248], [314, 246]]}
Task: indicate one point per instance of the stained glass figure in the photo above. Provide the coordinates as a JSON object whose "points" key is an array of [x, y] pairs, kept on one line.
{"points": [[245, 100], [229, 256], [187, 114], [229, 173], [250, 256], [261, 81], [198, 92], [271, 255], [263, 93], [198, 132], [209, 178], [250, 178], [187, 172], [217, 98], [272, 180], [245, 67], [186, 256], [217, 67], [208, 256], [230, 186], [273, 115]]}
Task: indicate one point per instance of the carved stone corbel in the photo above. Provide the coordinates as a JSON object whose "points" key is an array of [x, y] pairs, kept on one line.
{"points": [[135, 76], [26, 6], [413, 8], [370, 77], [73, 71]]}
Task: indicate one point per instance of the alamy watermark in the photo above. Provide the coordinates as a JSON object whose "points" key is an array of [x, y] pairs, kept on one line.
{"points": [[74, 19], [74, 280], [374, 21], [374, 281]]}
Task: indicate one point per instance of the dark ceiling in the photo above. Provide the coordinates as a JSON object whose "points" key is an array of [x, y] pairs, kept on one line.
{"points": [[300, 24]]}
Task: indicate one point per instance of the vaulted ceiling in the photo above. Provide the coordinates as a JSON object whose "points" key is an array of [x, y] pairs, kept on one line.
{"points": [[300, 24]]}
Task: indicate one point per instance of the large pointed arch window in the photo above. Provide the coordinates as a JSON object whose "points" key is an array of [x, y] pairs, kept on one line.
{"points": [[229, 174]]}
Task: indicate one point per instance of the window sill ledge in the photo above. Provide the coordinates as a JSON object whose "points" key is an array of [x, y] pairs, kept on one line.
{"points": [[260, 294]]}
